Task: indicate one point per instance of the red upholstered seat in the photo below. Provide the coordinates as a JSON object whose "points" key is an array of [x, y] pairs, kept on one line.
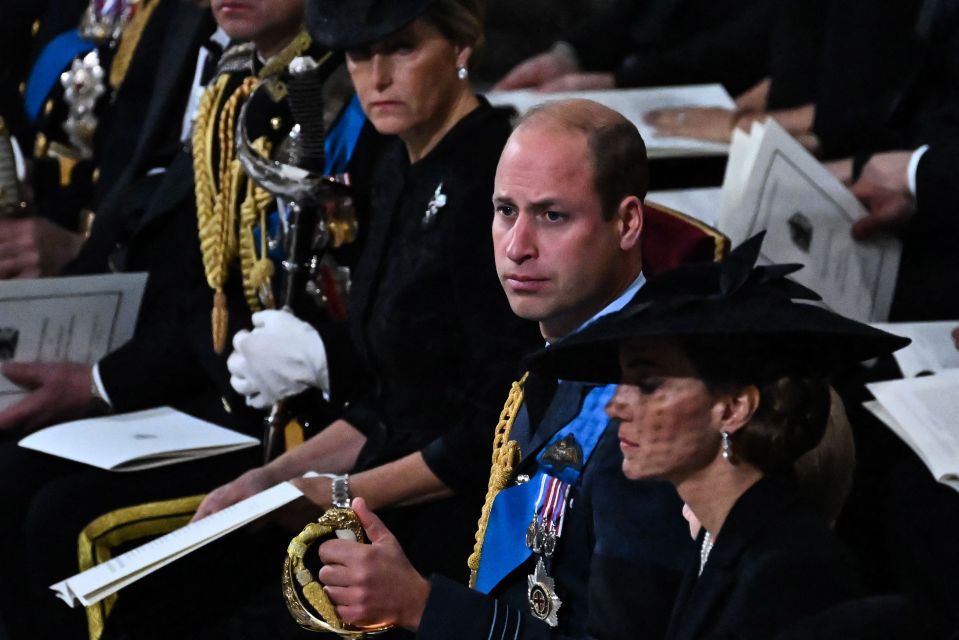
{"points": [[671, 238]]}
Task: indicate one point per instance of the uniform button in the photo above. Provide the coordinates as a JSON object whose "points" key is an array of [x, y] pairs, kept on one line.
{"points": [[35, 28], [226, 405]]}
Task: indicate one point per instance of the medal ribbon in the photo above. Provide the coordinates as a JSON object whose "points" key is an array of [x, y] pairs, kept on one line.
{"points": [[504, 548]]}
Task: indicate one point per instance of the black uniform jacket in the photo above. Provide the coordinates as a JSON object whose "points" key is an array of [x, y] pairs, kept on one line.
{"points": [[774, 563], [618, 534], [431, 345]]}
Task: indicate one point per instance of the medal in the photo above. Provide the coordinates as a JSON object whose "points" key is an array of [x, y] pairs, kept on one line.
{"points": [[542, 535], [544, 604]]}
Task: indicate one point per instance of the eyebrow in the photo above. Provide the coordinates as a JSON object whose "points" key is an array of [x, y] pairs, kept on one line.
{"points": [[539, 205]]}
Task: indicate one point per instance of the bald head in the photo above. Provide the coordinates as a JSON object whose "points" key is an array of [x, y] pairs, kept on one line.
{"points": [[617, 152]]}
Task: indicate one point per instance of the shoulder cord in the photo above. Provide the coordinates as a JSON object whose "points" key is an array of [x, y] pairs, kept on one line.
{"points": [[221, 238], [505, 455], [216, 202]]}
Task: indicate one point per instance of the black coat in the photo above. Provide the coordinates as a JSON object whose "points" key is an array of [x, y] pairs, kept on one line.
{"points": [[429, 326], [774, 563], [617, 535]]}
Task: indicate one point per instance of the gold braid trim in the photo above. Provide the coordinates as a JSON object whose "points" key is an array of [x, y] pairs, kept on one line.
{"points": [[129, 40], [104, 534], [505, 455]]}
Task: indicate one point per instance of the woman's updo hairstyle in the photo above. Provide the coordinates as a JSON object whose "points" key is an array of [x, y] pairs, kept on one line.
{"points": [[790, 420], [459, 20], [793, 404]]}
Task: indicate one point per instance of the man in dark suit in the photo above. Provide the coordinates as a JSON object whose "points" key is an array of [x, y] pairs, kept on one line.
{"points": [[566, 235]]}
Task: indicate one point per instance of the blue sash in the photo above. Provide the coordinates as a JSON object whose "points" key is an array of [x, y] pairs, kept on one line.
{"points": [[341, 138], [52, 61], [504, 547]]}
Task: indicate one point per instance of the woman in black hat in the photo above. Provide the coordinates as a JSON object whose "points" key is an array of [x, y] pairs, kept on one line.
{"points": [[431, 343], [723, 388]]}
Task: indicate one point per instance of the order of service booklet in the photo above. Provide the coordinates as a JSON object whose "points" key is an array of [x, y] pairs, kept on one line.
{"points": [[95, 584], [138, 440], [773, 184], [70, 319], [923, 407]]}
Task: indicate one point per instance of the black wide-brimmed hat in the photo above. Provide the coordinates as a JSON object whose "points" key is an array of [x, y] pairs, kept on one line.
{"points": [[749, 316], [346, 24]]}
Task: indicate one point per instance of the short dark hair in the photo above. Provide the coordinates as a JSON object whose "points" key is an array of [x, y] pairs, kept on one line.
{"points": [[617, 151]]}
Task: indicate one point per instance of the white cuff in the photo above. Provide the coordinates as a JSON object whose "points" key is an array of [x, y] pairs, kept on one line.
{"points": [[913, 166], [95, 373]]}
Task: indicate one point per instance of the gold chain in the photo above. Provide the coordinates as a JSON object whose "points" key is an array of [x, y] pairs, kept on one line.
{"points": [[505, 455]]}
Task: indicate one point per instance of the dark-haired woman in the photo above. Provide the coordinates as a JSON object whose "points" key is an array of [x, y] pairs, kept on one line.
{"points": [[723, 388]]}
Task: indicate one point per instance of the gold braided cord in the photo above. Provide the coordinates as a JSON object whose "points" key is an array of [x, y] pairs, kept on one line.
{"points": [[129, 40], [505, 455], [217, 201], [205, 184], [226, 197], [257, 270]]}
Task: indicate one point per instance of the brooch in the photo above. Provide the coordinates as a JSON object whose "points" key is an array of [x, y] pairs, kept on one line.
{"points": [[434, 206]]}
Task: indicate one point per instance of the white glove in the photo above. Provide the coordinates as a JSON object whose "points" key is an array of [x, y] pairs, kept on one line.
{"points": [[281, 357]]}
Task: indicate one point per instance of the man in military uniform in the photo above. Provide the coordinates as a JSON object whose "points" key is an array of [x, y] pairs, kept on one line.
{"points": [[171, 359], [566, 232]]}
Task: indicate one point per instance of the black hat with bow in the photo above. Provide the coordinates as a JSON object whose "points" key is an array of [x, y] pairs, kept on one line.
{"points": [[752, 317]]}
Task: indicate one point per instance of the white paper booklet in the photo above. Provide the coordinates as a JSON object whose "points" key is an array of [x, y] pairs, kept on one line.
{"points": [[700, 203], [924, 412], [772, 183], [932, 347], [92, 585], [138, 440], [634, 104], [77, 319]]}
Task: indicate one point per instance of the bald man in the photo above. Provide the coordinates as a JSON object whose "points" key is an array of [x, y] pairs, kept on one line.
{"points": [[567, 525]]}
